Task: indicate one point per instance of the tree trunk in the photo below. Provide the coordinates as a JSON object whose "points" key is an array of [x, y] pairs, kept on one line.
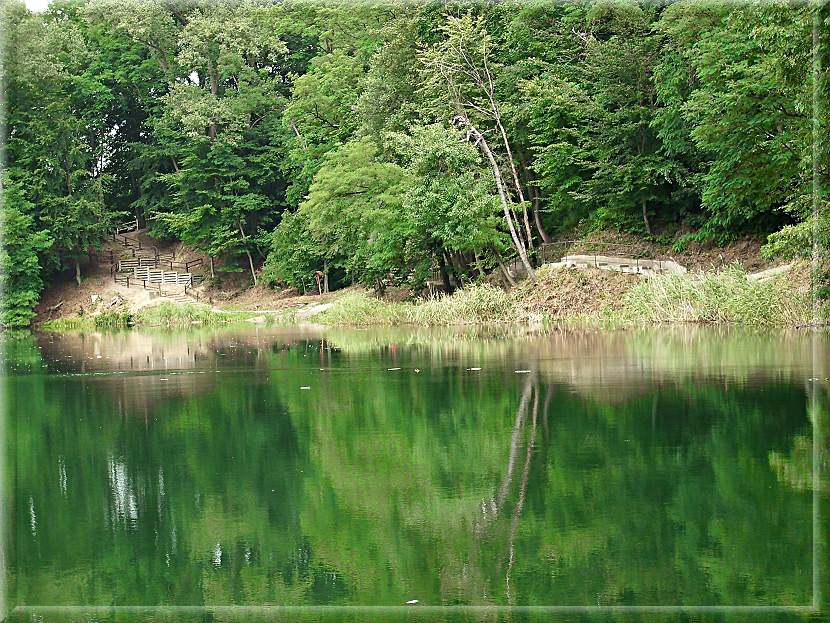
{"points": [[537, 217], [517, 242], [251, 264], [479, 267], [645, 218], [247, 251], [214, 91], [325, 277], [78, 271], [212, 269], [300, 138], [458, 265], [490, 89], [504, 270], [442, 267]]}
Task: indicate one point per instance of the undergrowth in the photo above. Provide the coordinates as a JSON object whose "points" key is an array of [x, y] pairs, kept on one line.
{"points": [[475, 304], [726, 296], [177, 314]]}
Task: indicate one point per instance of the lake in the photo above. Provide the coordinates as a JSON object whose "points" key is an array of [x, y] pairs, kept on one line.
{"points": [[615, 472]]}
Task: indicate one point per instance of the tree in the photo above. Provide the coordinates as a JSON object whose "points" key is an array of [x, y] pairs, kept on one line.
{"points": [[57, 130], [461, 68], [352, 217], [20, 271], [629, 173], [219, 117], [750, 116], [450, 206]]}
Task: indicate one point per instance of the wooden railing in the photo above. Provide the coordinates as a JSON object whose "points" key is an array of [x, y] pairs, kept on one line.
{"points": [[139, 262], [126, 240], [161, 276], [127, 226]]}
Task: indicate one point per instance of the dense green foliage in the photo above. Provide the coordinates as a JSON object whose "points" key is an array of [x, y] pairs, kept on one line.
{"points": [[377, 143]]}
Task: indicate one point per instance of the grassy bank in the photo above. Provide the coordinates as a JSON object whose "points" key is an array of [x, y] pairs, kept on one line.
{"points": [[472, 305], [167, 314], [728, 296], [581, 298], [600, 299]]}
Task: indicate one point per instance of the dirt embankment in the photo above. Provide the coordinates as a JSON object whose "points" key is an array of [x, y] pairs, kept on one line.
{"points": [[695, 256], [98, 291], [567, 292], [557, 293]]}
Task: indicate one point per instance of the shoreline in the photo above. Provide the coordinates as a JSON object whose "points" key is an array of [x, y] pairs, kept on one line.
{"points": [[585, 298]]}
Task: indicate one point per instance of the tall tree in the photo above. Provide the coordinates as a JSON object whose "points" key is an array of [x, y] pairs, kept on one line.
{"points": [[58, 135], [461, 67]]}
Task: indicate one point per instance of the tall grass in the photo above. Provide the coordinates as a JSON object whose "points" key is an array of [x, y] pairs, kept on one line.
{"points": [[177, 314], [726, 296], [472, 305], [107, 320]]}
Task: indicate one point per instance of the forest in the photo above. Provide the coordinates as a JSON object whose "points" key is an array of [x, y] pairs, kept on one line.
{"points": [[385, 141]]}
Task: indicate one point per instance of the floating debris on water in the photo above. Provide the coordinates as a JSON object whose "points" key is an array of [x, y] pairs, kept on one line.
{"points": [[392, 369]]}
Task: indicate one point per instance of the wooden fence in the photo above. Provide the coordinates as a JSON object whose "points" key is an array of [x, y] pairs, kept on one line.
{"points": [[127, 226], [139, 262], [162, 276]]}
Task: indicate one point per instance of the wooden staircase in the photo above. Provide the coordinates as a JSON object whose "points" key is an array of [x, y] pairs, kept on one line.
{"points": [[145, 268]]}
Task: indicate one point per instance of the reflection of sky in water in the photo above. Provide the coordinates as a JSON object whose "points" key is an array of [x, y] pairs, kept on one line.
{"points": [[125, 505]]}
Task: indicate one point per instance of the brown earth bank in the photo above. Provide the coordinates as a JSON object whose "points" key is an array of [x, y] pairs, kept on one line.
{"points": [[694, 256], [567, 292], [558, 293]]}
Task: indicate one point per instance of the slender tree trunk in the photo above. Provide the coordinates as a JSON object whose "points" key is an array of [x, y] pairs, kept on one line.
{"points": [[517, 242], [325, 277], [247, 251], [458, 264], [506, 273], [300, 138], [645, 218], [251, 264], [214, 91], [537, 216], [490, 89], [212, 269], [78, 271]]}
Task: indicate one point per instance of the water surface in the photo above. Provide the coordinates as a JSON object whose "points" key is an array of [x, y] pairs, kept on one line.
{"points": [[300, 468]]}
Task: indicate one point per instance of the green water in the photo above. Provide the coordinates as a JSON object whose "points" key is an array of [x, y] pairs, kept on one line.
{"points": [[274, 467]]}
